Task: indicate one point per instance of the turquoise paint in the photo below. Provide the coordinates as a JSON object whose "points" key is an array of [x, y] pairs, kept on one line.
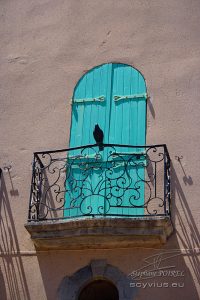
{"points": [[123, 122], [128, 124]]}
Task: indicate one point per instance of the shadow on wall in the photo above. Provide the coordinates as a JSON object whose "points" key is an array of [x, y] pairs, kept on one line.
{"points": [[150, 106], [186, 232], [13, 283], [58, 266]]}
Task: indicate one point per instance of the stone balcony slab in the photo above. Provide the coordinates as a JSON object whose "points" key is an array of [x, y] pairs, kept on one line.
{"points": [[100, 233]]}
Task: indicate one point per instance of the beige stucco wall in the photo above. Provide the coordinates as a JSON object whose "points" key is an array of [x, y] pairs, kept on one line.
{"points": [[46, 46]]}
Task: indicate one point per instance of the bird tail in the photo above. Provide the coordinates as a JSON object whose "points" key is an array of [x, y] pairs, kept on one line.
{"points": [[101, 147]]}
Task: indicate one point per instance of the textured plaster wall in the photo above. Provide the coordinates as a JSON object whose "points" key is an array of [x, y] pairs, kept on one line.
{"points": [[45, 47]]}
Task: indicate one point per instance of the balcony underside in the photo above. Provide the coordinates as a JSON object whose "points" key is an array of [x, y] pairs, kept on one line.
{"points": [[100, 233]]}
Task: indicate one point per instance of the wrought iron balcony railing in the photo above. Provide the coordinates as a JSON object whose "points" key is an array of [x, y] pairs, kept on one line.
{"points": [[120, 181]]}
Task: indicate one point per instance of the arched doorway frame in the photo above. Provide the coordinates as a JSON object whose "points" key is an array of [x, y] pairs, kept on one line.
{"points": [[71, 286]]}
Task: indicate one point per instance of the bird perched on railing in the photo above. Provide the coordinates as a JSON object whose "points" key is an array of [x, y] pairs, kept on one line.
{"points": [[98, 136]]}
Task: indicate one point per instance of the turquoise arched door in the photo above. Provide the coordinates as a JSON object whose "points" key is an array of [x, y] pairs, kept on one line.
{"points": [[114, 97]]}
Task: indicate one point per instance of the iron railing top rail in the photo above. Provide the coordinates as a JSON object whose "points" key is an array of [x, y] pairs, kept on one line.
{"points": [[104, 145]]}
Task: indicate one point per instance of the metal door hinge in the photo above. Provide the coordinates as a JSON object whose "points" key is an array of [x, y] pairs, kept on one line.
{"points": [[135, 96], [95, 99]]}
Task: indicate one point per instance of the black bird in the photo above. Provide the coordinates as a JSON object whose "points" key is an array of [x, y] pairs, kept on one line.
{"points": [[98, 136]]}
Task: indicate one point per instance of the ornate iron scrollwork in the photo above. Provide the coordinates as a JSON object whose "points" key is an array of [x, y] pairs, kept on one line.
{"points": [[121, 181]]}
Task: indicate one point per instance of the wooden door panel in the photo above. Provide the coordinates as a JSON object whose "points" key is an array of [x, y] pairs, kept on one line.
{"points": [[114, 97]]}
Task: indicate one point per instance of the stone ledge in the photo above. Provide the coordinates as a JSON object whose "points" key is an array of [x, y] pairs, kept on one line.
{"points": [[101, 233]]}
